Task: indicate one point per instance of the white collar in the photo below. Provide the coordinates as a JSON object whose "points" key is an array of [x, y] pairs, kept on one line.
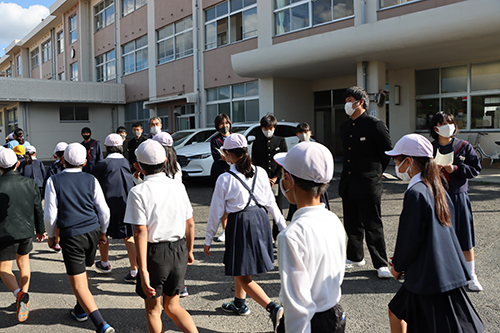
{"points": [[156, 175], [307, 209], [417, 178], [73, 170], [115, 155]]}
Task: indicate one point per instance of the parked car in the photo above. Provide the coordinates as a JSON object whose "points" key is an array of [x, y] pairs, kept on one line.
{"points": [[191, 136], [196, 159]]}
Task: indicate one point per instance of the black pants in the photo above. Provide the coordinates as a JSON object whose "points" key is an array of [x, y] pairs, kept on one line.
{"points": [[363, 217], [329, 321]]}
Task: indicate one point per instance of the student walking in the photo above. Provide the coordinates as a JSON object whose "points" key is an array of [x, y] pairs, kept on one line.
{"points": [[115, 178], [172, 167], [459, 163], [432, 297], [93, 147], [75, 203], [33, 168], [245, 194], [311, 249], [20, 213], [162, 216]]}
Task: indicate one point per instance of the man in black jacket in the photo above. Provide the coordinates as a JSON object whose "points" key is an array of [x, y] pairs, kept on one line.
{"points": [[20, 213], [94, 151], [134, 143], [364, 141]]}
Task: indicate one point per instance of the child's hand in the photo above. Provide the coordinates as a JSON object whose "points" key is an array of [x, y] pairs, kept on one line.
{"points": [[40, 237], [190, 258], [103, 239], [206, 250], [148, 290]]}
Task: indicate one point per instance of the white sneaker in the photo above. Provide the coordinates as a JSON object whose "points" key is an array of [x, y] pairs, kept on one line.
{"points": [[384, 273], [474, 285], [351, 264], [222, 237]]}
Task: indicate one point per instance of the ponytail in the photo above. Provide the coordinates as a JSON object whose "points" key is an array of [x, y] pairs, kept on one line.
{"points": [[28, 158], [244, 164]]}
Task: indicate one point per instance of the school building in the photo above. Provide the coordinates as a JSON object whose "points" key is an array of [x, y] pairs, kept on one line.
{"points": [[105, 63]]}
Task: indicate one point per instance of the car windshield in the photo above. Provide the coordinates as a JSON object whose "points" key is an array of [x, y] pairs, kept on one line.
{"points": [[180, 137]]}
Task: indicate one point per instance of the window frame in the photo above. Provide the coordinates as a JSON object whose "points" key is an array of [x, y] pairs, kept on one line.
{"points": [[72, 29], [46, 51], [18, 65], [142, 3], [401, 3], [33, 55], [74, 109], [133, 53], [60, 42], [174, 36], [105, 64], [73, 68], [104, 13]]}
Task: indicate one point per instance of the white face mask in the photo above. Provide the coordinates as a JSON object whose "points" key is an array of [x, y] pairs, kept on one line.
{"points": [[155, 129], [446, 131], [304, 136], [268, 134], [348, 108], [282, 188], [404, 176]]}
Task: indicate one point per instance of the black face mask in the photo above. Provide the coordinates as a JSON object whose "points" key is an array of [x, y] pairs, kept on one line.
{"points": [[86, 137], [224, 130]]}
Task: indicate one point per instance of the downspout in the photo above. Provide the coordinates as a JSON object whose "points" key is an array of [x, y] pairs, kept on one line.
{"points": [[365, 79], [53, 51], [362, 11], [24, 118], [197, 64]]}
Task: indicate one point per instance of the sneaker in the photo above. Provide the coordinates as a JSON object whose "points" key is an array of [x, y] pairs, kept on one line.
{"points": [[383, 273], [22, 306], [129, 278], [474, 285], [222, 237], [57, 248], [351, 264], [107, 329], [275, 316], [78, 317], [184, 293], [230, 307], [101, 268]]}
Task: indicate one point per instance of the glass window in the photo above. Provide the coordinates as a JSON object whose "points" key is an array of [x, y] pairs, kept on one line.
{"points": [[238, 111], [427, 81], [224, 92], [426, 109], [104, 14], [485, 76], [457, 106], [239, 90], [454, 79], [73, 114], [106, 66], [485, 112], [73, 71], [18, 65], [212, 94], [60, 42], [128, 6], [322, 11], [135, 55], [72, 29], [390, 3], [34, 58], [240, 102], [300, 16], [175, 40], [46, 51]]}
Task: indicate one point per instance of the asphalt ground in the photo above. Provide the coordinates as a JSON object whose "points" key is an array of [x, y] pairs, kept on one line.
{"points": [[364, 296]]}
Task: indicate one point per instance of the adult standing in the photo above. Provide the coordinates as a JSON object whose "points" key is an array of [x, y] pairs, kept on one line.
{"points": [[364, 141], [134, 143], [155, 126], [122, 131], [93, 147]]}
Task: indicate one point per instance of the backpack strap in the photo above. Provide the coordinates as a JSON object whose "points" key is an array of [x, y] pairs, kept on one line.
{"points": [[250, 190]]}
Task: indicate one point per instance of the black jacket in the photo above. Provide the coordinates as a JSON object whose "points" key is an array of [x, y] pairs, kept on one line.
{"points": [[364, 141], [130, 148], [20, 207], [263, 151]]}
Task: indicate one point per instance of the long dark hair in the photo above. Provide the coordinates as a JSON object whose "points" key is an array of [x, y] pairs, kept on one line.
{"points": [[439, 118], [434, 180], [244, 164], [171, 165], [28, 158]]}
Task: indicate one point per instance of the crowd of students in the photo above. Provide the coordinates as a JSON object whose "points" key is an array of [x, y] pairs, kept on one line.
{"points": [[140, 198]]}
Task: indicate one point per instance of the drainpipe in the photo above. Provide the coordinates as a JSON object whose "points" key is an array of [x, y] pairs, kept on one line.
{"points": [[365, 78], [53, 51], [197, 63], [363, 11]]}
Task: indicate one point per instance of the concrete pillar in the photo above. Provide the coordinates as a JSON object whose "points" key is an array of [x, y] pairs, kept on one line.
{"points": [[375, 81], [266, 96], [402, 117], [265, 19]]}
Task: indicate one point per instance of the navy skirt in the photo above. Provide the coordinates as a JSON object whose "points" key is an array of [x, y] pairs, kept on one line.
{"points": [[117, 229], [249, 245], [451, 311], [464, 224]]}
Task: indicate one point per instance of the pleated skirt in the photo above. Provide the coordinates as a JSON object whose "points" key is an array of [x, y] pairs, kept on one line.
{"points": [[464, 223]]}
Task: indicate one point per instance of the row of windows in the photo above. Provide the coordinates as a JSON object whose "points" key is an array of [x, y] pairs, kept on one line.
{"points": [[240, 102]]}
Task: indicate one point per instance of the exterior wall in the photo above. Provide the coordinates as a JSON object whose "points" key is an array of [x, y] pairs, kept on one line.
{"points": [[104, 40], [136, 86], [412, 8], [402, 116], [134, 25], [175, 77], [47, 70], [314, 31], [170, 11], [209, 3], [75, 46]]}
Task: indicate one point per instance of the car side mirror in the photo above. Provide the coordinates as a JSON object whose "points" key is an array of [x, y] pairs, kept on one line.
{"points": [[251, 138]]}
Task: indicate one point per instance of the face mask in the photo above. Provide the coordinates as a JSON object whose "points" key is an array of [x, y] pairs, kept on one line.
{"points": [[268, 134], [224, 130], [86, 137], [404, 176], [155, 130], [446, 131], [348, 108], [124, 136], [282, 188], [304, 137], [137, 134]]}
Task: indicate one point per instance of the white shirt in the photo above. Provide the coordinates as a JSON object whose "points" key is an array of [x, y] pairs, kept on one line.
{"points": [[115, 155], [415, 179], [162, 204], [230, 196], [50, 208], [311, 257]]}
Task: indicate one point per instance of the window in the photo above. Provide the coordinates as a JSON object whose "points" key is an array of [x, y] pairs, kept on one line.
{"points": [[34, 58], [104, 14], [240, 102], [73, 114], [60, 42], [8, 71], [186, 117], [135, 55], [61, 76], [106, 66], [175, 40], [292, 15], [390, 3], [72, 29], [136, 112], [229, 22], [46, 51], [474, 106], [18, 65], [12, 119], [73, 71], [128, 6]]}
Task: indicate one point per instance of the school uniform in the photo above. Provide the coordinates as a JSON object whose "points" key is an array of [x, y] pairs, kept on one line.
{"points": [[466, 165], [249, 245], [113, 173], [94, 154], [74, 201], [310, 263], [219, 166], [13, 143], [432, 298], [131, 146], [292, 208], [34, 171], [162, 204]]}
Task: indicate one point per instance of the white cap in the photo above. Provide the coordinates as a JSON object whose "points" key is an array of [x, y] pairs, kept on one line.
{"points": [[75, 154], [31, 149], [235, 141], [113, 140], [7, 158], [414, 145], [150, 152], [11, 136], [309, 161], [164, 139], [61, 146]]}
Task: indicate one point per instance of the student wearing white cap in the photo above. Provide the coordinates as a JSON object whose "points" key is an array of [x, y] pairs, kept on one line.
{"points": [[33, 168], [115, 178], [432, 297], [244, 192], [162, 216], [74, 201], [172, 167], [312, 249], [20, 213]]}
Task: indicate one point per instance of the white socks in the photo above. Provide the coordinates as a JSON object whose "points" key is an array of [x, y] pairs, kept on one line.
{"points": [[104, 263], [133, 273], [471, 267], [16, 292]]}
